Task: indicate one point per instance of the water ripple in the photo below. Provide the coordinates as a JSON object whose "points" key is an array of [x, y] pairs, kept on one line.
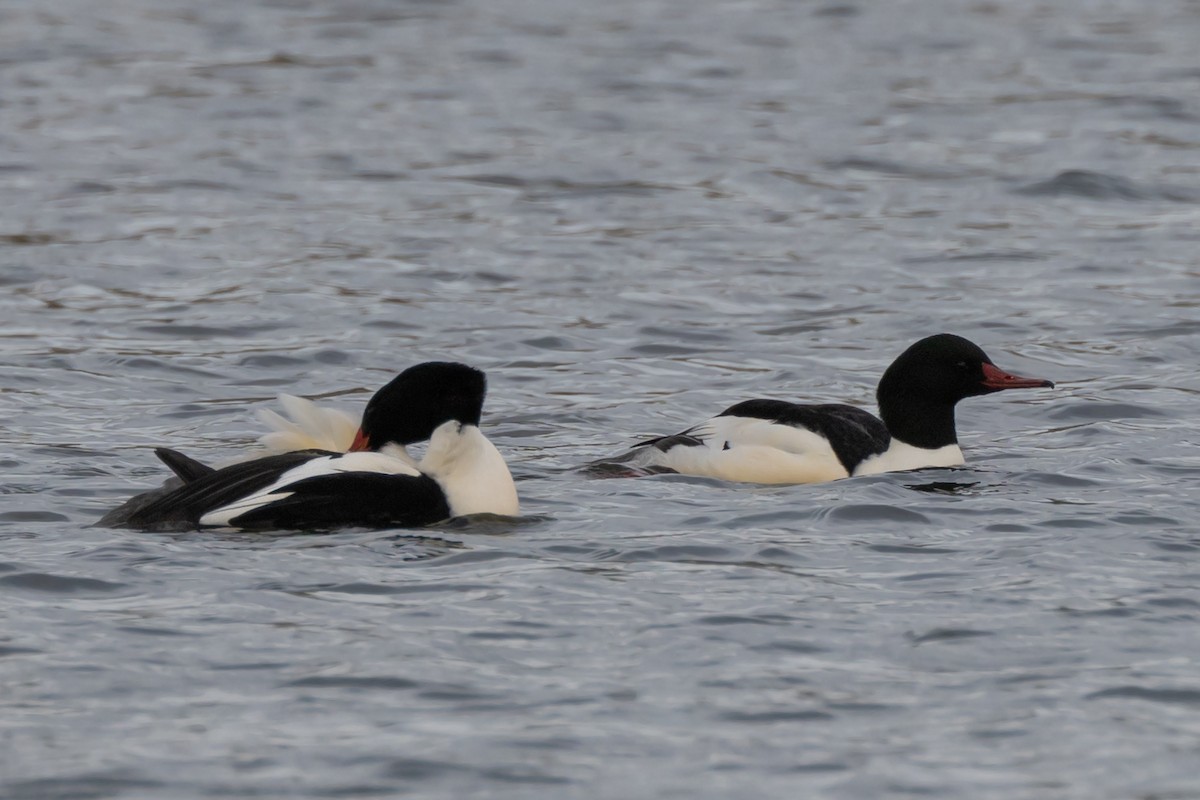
{"points": [[631, 217]]}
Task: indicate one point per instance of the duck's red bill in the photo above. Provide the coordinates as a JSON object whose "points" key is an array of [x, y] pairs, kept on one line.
{"points": [[996, 378], [360, 442]]}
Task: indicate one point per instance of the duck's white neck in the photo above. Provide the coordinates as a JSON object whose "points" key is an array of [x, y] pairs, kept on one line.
{"points": [[399, 451], [470, 471]]}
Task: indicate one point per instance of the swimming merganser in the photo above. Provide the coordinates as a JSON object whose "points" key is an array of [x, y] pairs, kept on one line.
{"points": [[376, 484], [772, 441]]}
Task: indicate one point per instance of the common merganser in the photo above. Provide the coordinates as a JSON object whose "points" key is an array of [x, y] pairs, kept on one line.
{"points": [[376, 484], [772, 441]]}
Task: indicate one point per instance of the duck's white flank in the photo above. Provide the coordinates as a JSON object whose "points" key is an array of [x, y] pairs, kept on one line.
{"points": [[470, 471], [307, 426], [900, 456], [752, 450]]}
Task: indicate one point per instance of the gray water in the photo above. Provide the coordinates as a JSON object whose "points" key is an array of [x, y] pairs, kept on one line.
{"points": [[631, 214]]}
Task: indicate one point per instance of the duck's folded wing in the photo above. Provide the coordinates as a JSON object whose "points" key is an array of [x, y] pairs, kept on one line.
{"points": [[342, 499], [181, 508]]}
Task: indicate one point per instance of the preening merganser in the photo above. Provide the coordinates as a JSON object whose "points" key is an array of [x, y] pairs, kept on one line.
{"points": [[772, 441], [376, 484]]}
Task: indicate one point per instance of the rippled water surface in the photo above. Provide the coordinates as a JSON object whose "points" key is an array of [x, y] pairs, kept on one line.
{"points": [[631, 214]]}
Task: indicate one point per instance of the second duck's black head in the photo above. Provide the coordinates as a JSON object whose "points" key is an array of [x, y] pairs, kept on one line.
{"points": [[918, 391], [418, 400]]}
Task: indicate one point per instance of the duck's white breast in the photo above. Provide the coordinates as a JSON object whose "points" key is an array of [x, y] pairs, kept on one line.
{"points": [[471, 471], [900, 456]]}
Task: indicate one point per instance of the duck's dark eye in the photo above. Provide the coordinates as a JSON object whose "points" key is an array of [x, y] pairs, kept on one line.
{"points": [[964, 366]]}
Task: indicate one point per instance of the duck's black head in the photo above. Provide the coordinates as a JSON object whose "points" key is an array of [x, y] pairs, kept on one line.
{"points": [[918, 391], [418, 400]]}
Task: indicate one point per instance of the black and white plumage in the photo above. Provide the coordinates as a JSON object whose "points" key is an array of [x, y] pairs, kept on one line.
{"points": [[376, 484], [772, 441]]}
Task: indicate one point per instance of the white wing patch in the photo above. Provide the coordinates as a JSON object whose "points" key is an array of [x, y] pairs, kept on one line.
{"points": [[325, 465]]}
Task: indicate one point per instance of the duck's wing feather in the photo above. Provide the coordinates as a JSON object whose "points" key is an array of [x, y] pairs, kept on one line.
{"points": [[181, 508], [358, 499], [665, 443], [186, 468], [361, 489], [306, 426]]}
